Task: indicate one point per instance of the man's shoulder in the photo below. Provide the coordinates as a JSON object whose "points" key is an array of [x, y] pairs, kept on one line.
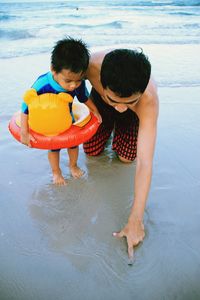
{"points": [[149, 105], [96, 60], [95, 63], [98, 56], [150, 95]]}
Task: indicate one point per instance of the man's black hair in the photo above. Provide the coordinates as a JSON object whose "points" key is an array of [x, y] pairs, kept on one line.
{"points": [[70, 54], [125, 72]]}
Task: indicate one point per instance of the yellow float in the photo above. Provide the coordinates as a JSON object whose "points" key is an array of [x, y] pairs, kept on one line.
{"points": [[50, 121]]}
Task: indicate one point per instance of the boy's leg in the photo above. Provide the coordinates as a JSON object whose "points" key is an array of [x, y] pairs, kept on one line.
{"points": [[73, 158], [54, 160], [125, 136]]}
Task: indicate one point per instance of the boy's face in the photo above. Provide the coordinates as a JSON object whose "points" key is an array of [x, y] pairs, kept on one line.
{"points": [[121, 104], [67, 79]]}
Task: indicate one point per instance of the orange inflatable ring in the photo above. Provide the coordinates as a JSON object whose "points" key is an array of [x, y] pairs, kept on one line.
{"points": [[78, 133]]}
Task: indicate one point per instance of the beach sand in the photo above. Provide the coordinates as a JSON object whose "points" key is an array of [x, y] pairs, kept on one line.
{"points": [[56, 242]]}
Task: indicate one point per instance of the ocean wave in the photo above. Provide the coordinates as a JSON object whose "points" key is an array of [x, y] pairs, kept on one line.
{"points": [[15, 34], [7, 18], [180, 13], [114, 24], [173, 84], [118, 22], [192, 26], [79, 3], [186, 3], [75, 16], [156, 3]]}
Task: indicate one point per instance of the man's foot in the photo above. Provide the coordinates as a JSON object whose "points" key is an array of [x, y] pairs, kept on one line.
{"points": [[58, 179], [76, 172]]}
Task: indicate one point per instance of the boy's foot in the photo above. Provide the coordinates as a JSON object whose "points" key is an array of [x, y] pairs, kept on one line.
{"points": [[58, 179], [76, 172]]}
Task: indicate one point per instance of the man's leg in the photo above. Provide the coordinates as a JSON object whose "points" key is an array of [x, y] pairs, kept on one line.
{"points": [[125, 136], [96, 144]]}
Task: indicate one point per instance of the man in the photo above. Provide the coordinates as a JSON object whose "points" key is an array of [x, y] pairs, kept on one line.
{"points": [[126, 96]]}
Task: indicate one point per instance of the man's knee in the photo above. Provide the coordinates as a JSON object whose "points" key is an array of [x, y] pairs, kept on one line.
{"points": [[92, 152], [124, 160]]}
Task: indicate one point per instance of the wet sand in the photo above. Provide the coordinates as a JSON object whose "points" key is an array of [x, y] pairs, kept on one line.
{"points": [[56, 242]]}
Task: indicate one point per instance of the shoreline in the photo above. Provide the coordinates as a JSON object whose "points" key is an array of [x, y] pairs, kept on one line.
{"points": [[165, 59]]}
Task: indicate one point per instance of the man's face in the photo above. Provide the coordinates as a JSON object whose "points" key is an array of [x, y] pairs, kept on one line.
{"points": [[119, 103], [67, 79]]}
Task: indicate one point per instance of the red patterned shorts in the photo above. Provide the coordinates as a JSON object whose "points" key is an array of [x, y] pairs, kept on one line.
{"points": [[123, 125]]}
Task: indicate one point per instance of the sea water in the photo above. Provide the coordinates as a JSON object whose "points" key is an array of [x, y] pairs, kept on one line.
{"points": [[168, 31]]}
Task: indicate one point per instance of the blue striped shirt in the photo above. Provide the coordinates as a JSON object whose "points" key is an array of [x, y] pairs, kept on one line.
{"points": [[46, 84]]}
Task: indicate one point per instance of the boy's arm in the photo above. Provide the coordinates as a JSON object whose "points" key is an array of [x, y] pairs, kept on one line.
{"points": [[83, 97], [24, 133], [25, 136], [92, 107]]}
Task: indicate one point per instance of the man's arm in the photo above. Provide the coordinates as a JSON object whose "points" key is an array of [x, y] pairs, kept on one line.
{"points": [[145, 151], [134, 230]]}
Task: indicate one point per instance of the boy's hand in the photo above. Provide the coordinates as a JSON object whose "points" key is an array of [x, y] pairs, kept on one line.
{"points": [[26, 139], [134, 233], [98, 116], [92, 107]]}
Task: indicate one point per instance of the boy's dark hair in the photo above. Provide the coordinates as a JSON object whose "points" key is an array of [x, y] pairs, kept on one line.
{"points": [[125, 72], [70, 54]]}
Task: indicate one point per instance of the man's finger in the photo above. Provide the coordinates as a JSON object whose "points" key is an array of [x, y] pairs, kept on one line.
{"points": [[130, 256], [118, 234], [130, 253]]}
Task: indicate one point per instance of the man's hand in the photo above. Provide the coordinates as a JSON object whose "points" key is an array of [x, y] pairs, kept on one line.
{"points": [[26, 138], [134, 233]]}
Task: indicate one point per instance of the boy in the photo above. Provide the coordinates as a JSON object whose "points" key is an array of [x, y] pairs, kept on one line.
{"points": [[69, 62]]}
